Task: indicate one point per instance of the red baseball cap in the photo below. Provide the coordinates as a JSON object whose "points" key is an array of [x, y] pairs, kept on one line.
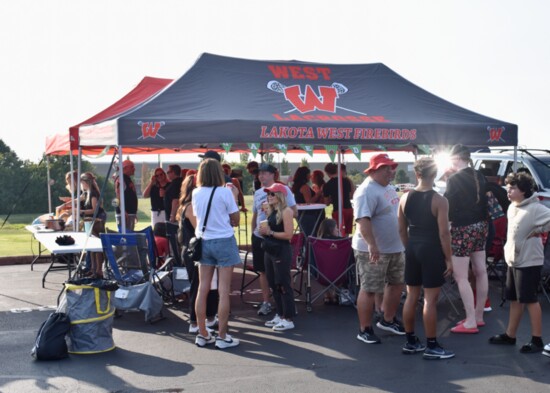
{"points": [[379, 160], [277, 187]]}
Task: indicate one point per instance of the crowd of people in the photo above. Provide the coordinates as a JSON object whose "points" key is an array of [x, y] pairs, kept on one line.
{"points": [[421, 238], [412, 243]]}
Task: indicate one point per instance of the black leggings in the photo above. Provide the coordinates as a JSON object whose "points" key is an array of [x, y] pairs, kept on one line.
{"points": [[211, 300], [277, 271]]}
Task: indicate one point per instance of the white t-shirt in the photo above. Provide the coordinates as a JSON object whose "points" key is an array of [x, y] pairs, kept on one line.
{"points": [[223, 204], [380, 204], [260, 196]]}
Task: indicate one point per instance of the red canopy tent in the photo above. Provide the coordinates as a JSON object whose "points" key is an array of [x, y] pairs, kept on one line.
{"points": [[65, 143], [61, 144]]}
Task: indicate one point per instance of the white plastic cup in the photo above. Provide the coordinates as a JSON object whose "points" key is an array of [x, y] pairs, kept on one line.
{"points": [[87, 226]]}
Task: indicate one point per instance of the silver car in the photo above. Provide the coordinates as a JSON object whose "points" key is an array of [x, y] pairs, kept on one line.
{"points": [[497, 164]]}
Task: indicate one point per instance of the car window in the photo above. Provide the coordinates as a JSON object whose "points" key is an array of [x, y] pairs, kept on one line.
{"points": [[521, 168], [543, 171], [489, 167]]}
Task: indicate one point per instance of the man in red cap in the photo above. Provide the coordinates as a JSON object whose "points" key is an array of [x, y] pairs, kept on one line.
{"points": [[378, 248]]}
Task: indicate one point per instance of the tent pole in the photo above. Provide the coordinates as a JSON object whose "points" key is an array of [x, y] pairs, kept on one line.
{"points": [[340, 193], [49, 185], [121, 185], [73, 194], [79, 173]]}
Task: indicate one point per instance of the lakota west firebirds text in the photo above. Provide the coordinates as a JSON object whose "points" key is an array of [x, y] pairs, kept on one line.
{"points": [[346, 133]]}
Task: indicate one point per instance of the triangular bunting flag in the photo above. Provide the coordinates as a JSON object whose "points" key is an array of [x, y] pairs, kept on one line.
{"points": [[282, 147], [356, 149], [227, 147], [308, 149], [253, 149], [331, 151], [424, 149]]}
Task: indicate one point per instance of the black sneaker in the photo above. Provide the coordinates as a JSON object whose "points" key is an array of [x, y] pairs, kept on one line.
{"points": [[368, 337], [437, 353], [409, 348], [394, 326], [502, 339], [531, 347]]}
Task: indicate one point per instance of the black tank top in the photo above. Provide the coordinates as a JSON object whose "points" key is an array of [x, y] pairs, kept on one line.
{"points": [[188, 231], [280, 227], [418, 211]]}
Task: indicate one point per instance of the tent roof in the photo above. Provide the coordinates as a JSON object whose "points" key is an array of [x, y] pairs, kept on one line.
{"points": [[229, 100], [59, 144]]}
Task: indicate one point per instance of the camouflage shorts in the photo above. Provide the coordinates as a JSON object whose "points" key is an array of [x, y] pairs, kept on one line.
{"points": [[373, 277]]}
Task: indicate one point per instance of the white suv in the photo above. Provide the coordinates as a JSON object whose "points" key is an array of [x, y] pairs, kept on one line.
{"points": [[497, 164]]}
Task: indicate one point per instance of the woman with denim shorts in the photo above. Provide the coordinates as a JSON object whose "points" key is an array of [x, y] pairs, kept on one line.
{"points": [[219, 248]]}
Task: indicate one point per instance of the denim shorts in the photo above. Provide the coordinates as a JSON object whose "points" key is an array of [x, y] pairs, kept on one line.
{"points": [[220, 252]]}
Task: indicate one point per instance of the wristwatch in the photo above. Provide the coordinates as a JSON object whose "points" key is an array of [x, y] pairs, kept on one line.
{"points": [[271, 233]]}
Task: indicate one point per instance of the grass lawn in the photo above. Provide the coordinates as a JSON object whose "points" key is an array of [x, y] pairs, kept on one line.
{"points": [[15, 240]]}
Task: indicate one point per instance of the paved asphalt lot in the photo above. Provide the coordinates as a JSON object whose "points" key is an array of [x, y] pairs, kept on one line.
{"points": [[320, 355]]}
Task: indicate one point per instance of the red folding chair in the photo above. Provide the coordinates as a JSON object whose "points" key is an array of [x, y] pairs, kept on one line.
{"points": [[331, 263]]}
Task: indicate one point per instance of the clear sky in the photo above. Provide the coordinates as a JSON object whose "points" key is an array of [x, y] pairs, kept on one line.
{"points": [[62, 61]]}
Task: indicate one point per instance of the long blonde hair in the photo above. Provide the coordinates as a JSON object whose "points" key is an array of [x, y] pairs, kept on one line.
{"points": [[89, 179], [279, 207]]}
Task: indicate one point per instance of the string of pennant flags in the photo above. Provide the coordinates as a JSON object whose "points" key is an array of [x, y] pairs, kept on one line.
{"points": [[331, 150]]}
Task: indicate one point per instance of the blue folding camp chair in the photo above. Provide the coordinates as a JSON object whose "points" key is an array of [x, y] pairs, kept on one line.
{"points": [[128, 257]]}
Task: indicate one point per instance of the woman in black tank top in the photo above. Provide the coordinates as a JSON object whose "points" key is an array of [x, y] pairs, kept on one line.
{"points": [[424, 230], [278, 256]]}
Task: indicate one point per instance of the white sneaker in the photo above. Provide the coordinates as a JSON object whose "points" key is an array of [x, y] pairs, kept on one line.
{"points": [[227, 342], [201, 341], [274, 321], [265, 309], [546, 350], [195, 329], [213, 323], [283, 324]]}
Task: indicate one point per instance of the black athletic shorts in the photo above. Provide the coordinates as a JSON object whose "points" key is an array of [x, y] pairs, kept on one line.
{"points": [[424, 264], [522, 284]]}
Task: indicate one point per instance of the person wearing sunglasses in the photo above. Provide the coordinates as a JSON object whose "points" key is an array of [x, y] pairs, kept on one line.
{"points": [[266, 176], [278, 256], [155, 191]]}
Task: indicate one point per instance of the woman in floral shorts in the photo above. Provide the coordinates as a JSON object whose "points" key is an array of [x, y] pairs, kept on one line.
{"points": [[466, 192]]}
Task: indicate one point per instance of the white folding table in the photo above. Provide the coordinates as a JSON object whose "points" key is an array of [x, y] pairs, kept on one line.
{"points": [[65, 255]]}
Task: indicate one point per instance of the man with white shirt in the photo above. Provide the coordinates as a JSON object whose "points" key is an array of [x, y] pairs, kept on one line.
{"points": [[266, 175]]}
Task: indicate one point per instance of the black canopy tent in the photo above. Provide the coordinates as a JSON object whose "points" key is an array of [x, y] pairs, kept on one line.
{"points": [[292, 103], [223, 99]]}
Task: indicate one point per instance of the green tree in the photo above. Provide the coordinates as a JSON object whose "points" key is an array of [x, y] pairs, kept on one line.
{"points": [[402, 177], [244, 157], [285, 169], [13, 180], [304, 162]]}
